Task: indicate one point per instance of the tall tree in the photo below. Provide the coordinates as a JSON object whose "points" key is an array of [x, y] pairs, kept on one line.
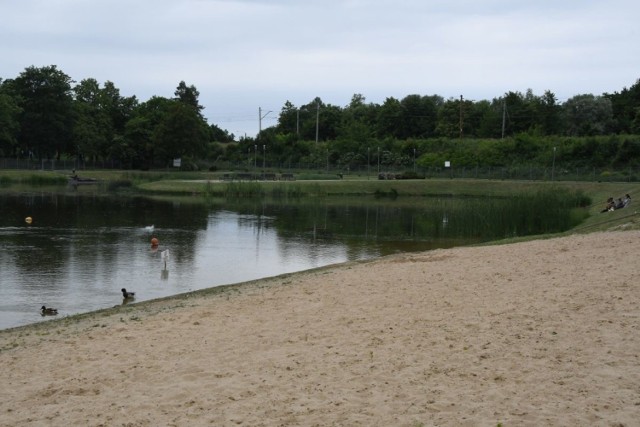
{"points": [[46, 119], [419, 116], [119, 108], [92, 129], [140, 129], [180, 133], [451, 116], [388, 118], [9, 124], [518, 114], [490, 122], [288, 120], [358, 121], [626, 108], [549, 114], [587, 115], [188, 95]]}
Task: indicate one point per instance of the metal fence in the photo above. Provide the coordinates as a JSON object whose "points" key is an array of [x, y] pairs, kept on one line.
{"points": [[530, 173], [53, 164]]}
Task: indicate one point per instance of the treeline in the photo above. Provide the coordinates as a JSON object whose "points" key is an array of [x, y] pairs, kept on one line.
{"points": [[44, 114]]}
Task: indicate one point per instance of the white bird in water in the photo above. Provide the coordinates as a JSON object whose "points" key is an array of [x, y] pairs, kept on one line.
{"points": [[149, 227]]}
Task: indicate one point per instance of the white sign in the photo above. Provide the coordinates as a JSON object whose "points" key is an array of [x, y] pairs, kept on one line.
{"points": [[447, 164], [177, 163]]}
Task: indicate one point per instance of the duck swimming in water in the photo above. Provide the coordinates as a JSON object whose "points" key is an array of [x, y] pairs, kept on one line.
{"points": [[48, 311], [128, 295]]}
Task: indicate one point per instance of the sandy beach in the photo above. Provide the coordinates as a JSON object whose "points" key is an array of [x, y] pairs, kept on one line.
{"points": [[540, 333]]}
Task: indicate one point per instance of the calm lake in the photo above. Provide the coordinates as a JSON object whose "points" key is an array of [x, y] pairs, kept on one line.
{"points": [[82, 247]]}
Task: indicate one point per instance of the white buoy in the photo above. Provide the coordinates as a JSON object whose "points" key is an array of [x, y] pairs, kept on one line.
{"points": [[164, 255]]}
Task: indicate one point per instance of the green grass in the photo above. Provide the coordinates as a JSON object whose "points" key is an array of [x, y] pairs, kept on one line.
{"points": [[36, 178], [200, 184]]}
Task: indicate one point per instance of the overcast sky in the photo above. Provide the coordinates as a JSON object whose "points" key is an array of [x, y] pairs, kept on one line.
{"points": [[243, 55]]}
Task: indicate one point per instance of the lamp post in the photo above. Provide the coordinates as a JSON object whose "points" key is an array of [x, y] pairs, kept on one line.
{"points": [[414, 160], [317, 121], [255, 155], [368, 161], [264, 155], [553, 166], [378, 160]]}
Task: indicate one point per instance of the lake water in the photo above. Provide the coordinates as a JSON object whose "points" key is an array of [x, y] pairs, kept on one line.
{"points": [[82, 247]]}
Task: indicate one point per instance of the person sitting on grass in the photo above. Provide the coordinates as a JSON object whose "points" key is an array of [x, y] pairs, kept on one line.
{"points": [[609, 206]]}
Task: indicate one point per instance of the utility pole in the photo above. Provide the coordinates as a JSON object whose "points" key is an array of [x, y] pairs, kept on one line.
{"points": [[504, 115], [460, 116], [317, 120], [260, 117]]}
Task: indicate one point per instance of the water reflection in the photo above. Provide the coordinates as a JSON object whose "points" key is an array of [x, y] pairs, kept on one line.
{"points": [[81, 249]]}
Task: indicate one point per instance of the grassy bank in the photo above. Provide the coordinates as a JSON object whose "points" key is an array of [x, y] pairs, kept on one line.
{"points": [[198, 184]]}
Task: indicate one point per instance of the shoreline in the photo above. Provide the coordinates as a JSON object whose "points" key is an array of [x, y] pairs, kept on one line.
{"points": [[147, 305], [542, 332]]}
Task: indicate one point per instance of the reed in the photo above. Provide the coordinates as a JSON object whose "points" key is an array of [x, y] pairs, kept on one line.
{"points": [[546, 211], [242, 189]]}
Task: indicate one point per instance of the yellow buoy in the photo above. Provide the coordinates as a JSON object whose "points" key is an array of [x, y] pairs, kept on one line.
{"points": [[28, 220], [154, 242]]}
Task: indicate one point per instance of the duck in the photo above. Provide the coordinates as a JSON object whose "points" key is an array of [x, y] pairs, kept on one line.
{"points": [[128, 295], [48, 311]]}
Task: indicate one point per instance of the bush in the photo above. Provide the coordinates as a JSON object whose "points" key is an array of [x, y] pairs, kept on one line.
{"points": [[409, 175]]}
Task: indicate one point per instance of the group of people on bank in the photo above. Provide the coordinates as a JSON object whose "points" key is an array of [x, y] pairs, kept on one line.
{"points": [[612, 204]]}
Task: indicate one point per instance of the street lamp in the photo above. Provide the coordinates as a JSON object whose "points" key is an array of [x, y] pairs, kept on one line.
{"points": [[553, 167], [414, 160], [378, 160], [368, 161], [264, 155], [255, 155]]}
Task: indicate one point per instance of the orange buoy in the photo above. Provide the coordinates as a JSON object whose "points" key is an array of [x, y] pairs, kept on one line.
{"points": [[154, 242]]}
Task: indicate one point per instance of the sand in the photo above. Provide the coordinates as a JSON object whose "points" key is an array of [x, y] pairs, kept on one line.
{"points": [[540, 333]]}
